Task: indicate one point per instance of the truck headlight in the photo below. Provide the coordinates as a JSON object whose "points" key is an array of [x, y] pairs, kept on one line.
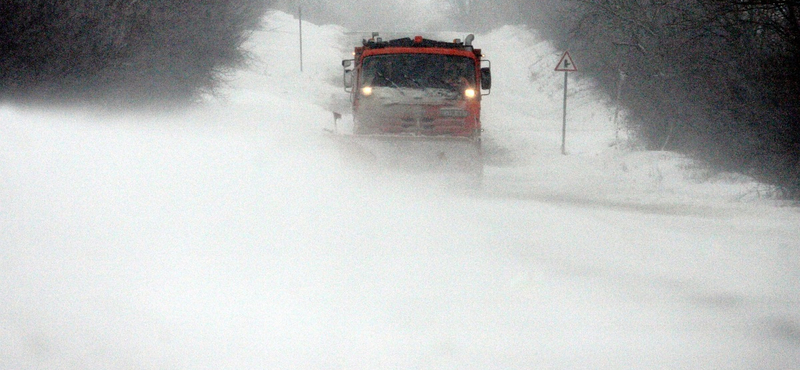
{"points": [[366, 90], [469, 93]]}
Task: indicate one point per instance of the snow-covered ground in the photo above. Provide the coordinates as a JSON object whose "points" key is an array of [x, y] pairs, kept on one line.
{"points": [[231, 236]]}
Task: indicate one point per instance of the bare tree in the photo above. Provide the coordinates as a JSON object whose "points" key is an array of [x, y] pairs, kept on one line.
{"points": [[125, 50], [717, 79]]}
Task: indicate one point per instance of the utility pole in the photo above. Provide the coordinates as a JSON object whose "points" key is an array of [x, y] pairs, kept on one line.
{"points": [[621, 81], [300, 17]]}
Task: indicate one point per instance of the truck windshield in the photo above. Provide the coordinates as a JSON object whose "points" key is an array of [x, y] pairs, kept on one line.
{"points": [[418, 71]]}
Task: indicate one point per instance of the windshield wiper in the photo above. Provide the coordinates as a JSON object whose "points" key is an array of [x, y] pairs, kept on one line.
{"points": [[413, 80], [391, 82]]}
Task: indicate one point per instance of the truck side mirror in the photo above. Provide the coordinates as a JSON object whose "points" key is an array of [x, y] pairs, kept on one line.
{"points": [[486, 78], [348, 79]]}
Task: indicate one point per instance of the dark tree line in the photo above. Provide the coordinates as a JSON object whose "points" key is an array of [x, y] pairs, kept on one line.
{"points": [[716, 79], [129, 51]]}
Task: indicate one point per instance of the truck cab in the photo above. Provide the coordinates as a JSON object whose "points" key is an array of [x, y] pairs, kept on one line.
{"points": [[417, 87]]}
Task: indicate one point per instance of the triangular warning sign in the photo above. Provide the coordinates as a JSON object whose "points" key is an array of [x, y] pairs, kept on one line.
{"points": [[566, 64]]}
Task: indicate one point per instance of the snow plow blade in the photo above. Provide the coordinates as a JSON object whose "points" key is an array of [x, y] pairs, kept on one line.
{"points": [[416, 154]]}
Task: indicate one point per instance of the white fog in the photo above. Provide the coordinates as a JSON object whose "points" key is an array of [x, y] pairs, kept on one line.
{"points": [[233, 236]]}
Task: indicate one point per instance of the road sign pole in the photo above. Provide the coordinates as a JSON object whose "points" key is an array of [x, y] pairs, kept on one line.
{"points": [[566, 65], [564, 122]]}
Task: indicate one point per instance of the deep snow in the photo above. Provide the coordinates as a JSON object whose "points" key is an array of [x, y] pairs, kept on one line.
{"points": [[232, 236]]}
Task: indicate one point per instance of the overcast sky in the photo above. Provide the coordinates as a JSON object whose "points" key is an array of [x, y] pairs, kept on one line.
{"points": [[363, 15]]}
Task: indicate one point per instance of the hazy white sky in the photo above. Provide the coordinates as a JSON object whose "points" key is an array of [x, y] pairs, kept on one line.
{"points": [[363, 15]]}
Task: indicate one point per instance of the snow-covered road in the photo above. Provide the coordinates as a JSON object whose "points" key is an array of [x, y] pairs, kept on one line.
{"points": [[231, 236]]}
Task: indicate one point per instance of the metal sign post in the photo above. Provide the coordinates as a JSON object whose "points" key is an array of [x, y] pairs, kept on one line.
{"points": [[565, 65]]}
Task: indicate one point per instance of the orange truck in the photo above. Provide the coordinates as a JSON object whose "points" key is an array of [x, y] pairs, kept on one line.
{"points": [[419, 90]]}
